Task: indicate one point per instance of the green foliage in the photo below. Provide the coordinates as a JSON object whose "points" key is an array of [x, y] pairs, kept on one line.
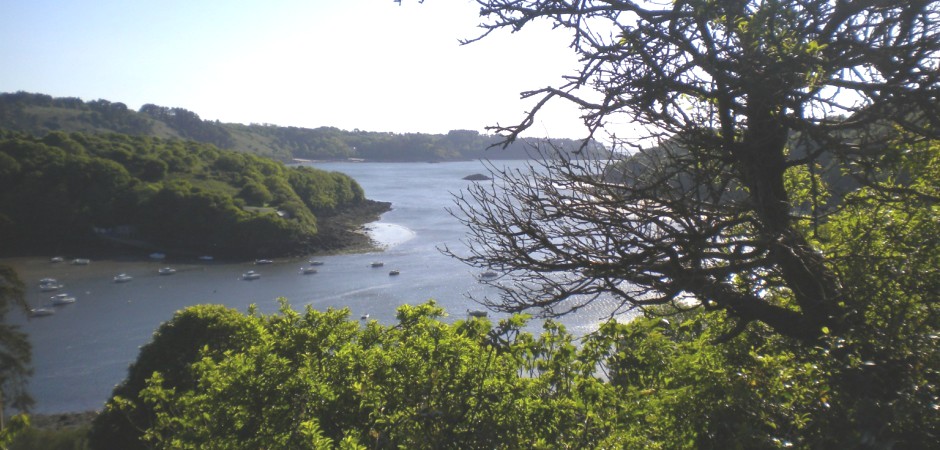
{"points": [[885, 240], [10, 432], [255, 193], [319, 380], [679, 390], [58, 189], [68, 438], [194, 334]]}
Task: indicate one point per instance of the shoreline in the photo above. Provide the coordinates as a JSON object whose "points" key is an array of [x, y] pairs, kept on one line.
{"points": [[345, 233], [342, 232]]}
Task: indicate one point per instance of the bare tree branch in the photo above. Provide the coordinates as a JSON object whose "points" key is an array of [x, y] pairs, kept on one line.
{"points": [[737, 94]]}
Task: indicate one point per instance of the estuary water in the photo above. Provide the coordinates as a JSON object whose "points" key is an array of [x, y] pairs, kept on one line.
{"points": [[85, 348]]}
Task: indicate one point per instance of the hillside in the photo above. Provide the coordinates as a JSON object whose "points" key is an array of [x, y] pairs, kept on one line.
{"points": [[65, 192], [39, 114]]}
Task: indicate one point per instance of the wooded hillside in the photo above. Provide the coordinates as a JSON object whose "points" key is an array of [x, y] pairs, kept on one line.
{"points": [[40, 114], [63, 191]]}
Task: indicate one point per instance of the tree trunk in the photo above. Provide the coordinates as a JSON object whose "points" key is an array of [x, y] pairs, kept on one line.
{"points": [[762, 163]]}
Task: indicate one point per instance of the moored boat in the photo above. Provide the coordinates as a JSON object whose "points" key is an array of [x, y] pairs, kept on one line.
{"points": [[251, 275], [40, 312], [166, 271], [377, 264], [262, 262], [314, 262], [394, 272], [81, 261], [308, 270], [62, 299], [122, 278], [478, 313], [49, 284], [56, 259]]}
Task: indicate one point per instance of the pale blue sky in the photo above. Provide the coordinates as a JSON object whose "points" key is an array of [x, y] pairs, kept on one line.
{"points": [[368, 64]]}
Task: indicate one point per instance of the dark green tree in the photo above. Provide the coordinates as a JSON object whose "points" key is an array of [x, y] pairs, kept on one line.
{"points": [[742, 97], [205, 331], [316, 379]]}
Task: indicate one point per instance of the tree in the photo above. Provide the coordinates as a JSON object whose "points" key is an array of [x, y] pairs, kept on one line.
{"points": [[15, 356], [315, 379], [198, 332], [748, 101]]}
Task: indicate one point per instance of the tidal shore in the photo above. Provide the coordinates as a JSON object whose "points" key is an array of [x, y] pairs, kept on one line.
{"points": [[338, 233], [344, 232]]}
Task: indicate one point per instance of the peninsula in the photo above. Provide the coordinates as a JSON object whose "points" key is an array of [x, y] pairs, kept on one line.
{"points": [[71, 192]]}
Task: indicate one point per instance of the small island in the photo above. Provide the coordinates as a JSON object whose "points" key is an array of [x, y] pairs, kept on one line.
{"points": [[477, 177]]}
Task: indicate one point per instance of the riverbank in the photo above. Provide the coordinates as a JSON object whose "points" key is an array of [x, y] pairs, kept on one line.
{"points": [[339, 232], [344, 232]]}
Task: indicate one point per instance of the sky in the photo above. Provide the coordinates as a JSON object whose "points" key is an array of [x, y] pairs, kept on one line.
{"points": [[372, 65]]}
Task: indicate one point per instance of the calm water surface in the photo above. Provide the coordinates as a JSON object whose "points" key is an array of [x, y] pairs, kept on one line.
{"points": [[84, 349]]}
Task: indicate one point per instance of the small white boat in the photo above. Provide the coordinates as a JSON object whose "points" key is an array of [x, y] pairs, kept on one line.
{"points": [[251, 275], [364, 317], [316, 263], [48, 281], [378, 264], [394, 272], [308, 270], [62, 299], [41, 312], [166, 271], [488, 275], [262, 262], [51, 286], [56, 259], [81, 261], [122, 278], [479, 313]]}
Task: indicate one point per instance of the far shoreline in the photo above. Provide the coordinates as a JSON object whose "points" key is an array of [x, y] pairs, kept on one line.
{"points": [[342, 232]]}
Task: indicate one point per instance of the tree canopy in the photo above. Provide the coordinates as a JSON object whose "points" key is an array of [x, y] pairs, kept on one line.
{"points": [[69, 191], [747, 103]]}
